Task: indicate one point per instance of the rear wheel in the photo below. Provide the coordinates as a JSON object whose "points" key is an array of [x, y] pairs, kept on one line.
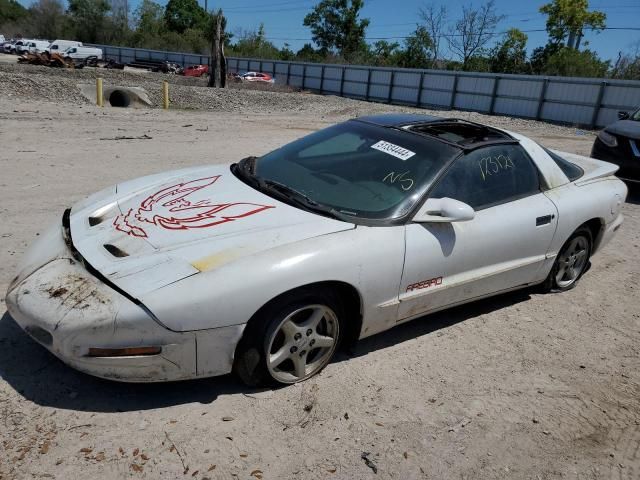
{"points": [[290, 340], [571, 263]]}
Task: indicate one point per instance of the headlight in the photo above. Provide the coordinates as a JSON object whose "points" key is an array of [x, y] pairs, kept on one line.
{"points": [[608, 139]]}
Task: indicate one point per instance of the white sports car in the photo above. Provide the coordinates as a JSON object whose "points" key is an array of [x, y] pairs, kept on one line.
{"points": [[267, 266]]}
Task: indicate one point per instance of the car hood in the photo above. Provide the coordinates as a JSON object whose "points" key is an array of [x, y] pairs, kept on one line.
{"points": [[626, 128], [150, 232]]}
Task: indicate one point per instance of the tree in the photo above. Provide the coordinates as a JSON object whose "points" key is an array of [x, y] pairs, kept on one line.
{"points": [[309, 54], [255, 44], [434, 21], [149, 18], [417, 49], [179, 15], [47, 19], [88, 18], [627, 65], [566, 19], [286, 53], [11, 11], [510, 56], [540, 57], [385, 53], [473, 31], [336, 27], [568, 62]]}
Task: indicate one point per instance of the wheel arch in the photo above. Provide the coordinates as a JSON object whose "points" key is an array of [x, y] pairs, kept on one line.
{"points": [[348, 294], [596, 227]]}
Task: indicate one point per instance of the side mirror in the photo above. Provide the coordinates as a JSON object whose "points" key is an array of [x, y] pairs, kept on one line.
{"points": [[623, 115], [444, 210]]}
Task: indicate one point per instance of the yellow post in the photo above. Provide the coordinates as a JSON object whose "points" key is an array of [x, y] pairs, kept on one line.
{"points": [[165, 95], [99, 96]]}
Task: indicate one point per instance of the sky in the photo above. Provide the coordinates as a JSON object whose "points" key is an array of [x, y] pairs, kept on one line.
{"points": [[282, 20]]}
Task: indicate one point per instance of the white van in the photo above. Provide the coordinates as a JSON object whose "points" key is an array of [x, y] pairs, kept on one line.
{"points": [[78, 54], [37, 46], [59, 46]]}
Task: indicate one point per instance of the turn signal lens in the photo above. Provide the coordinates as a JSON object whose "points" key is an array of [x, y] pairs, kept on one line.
{"points": [[608, 139], [123, 352]]}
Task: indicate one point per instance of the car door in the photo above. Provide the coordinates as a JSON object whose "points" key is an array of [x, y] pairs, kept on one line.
{"points": [[503, 247]]}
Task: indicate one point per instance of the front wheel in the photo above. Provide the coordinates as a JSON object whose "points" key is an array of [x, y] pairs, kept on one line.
{"points": [[291, 340], [571, 263]]}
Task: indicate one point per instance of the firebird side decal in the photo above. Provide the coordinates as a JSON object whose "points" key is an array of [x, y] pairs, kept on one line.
{"points": [[432, 282], [169, 208]]}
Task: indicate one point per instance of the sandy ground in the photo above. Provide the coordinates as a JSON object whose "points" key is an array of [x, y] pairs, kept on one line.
{"points": [[523, 386]]}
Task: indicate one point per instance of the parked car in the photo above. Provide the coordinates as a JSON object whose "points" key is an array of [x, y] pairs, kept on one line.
{"points": [[21, 46], [267, 266], [619, 143], [59, 46], [257, 77], [38, 46], [80, 54], [5, 47], [196, 71]]}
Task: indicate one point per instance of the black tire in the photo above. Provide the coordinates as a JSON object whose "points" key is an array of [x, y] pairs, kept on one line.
{"points": [[555, 282], [266, 327]]}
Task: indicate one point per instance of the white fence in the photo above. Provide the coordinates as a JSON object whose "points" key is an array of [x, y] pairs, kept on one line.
{"points": [[588, 102]]}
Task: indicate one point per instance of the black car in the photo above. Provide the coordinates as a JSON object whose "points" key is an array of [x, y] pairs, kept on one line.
{"points": [[619, 143]]}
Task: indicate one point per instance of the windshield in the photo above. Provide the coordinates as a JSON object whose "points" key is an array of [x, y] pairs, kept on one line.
{"points": [[636, 115], [357, 169]]}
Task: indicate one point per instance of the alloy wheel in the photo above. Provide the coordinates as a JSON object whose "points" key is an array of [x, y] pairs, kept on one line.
{"points": [[302, 343]]}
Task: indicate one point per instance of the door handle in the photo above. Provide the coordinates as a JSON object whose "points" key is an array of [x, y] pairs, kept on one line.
{"points": [[544, 220]]}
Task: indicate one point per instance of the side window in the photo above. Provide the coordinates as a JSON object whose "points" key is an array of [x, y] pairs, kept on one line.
{"points": [[489, 176], [571, 170]]}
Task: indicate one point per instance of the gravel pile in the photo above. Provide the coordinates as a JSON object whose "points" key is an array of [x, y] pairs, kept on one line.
{"points": [[37, 83]]}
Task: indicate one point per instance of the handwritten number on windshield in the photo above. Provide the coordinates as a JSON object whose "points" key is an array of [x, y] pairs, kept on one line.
{"points": [[402, 179]]}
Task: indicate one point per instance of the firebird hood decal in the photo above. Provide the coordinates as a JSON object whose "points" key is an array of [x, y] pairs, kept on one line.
{"points": [[170, 226], [171, 208]]}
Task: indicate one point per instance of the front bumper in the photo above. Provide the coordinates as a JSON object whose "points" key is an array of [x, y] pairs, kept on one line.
{"points": [[66, 309]]}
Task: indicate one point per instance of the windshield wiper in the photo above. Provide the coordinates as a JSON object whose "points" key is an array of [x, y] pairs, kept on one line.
{"points": [[301, 199], [245, 168]]}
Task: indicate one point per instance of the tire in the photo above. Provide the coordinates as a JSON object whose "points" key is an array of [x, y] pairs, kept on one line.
{"points": [[291, 339], [571, 262]]}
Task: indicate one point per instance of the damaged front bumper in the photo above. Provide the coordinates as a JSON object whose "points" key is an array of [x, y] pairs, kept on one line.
{"points": [[58, 301]]}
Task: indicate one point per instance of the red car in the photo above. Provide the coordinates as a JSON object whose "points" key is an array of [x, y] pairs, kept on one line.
{"points": [[196, 71]]}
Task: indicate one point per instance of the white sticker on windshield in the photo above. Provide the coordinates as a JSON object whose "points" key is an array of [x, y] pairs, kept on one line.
{"points": [[392, 149]]}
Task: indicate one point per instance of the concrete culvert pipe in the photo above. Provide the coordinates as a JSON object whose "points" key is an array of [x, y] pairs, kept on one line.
{"points": [[119, 98]]}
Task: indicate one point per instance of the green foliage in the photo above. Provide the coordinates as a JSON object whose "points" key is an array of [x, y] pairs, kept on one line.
{"points": [[540, 57], [11, 11], [336, 27], [510, 55], [384, 54], [627, 65], [568, 62], [417, 50], [48, 19], [566, 20], [309, 54], [181, 15], [254, 44], [88, 19]]}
